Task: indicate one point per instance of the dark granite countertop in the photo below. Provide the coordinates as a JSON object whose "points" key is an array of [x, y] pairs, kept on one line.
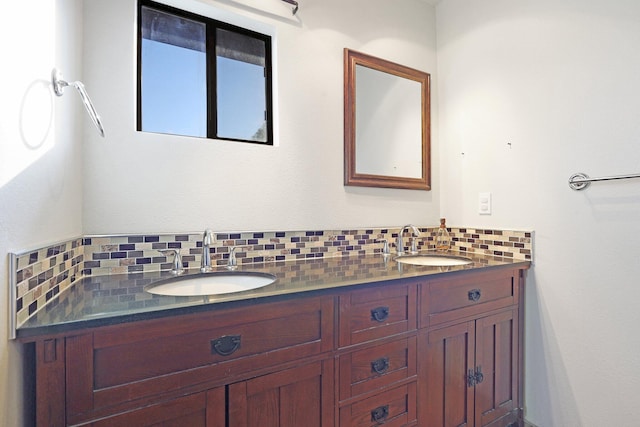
{"points": [[105, 300]]}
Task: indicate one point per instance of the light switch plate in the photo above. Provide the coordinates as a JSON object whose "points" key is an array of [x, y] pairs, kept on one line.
{"points": [[484, 203]]}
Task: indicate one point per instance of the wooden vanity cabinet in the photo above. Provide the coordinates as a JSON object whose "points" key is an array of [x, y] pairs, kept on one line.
{"points": [[427, 351], [472, 351]]}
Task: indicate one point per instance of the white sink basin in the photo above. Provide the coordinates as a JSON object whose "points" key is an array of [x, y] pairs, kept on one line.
{"points": [[433, 260], [214, 283]]}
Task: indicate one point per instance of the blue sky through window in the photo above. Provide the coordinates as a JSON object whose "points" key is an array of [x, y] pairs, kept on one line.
{"points": [[241, 99], [174, 89], [174, 93]]}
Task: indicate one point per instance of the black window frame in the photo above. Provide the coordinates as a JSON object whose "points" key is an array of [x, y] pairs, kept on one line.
{"points": [[211, 26]]}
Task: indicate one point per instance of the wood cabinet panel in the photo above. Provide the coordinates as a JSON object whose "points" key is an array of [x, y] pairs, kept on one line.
{"points": [[188, 411], [377, 312], [216, 415], [395, 407], [446, 300], [301, 396], [144, 366], [445, 398], [79, 360], [50, 379], [470, 372], [496, 359], [127, 363], [375, 367]]}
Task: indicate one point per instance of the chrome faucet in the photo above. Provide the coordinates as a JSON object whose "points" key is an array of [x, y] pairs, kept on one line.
{"points": [[207, 240], [177, 267], [400, 244]]}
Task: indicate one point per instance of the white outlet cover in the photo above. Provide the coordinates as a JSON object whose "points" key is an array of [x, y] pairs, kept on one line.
{"points": [[484, 203]]}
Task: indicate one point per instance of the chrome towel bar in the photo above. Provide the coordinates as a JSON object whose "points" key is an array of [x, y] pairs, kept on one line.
{"points": [[580, 181]]}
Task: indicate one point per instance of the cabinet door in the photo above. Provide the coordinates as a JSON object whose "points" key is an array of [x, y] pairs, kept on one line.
{"points": [[300, 396], [497, 361], [471, 373], [447, 397], [204, 409]]}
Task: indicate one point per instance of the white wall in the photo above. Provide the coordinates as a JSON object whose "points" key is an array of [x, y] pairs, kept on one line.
{"points": [[560, 81], [58, 179], [40, 153], [137, 182]]}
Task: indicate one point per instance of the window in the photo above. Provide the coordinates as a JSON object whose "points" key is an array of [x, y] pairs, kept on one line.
{"points": [[201, 77]]}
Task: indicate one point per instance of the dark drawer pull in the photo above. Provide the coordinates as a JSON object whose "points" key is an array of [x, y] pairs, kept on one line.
{"points": [[380, 366], [474, 295], [225, 345], [380, 314], [380, 414]]}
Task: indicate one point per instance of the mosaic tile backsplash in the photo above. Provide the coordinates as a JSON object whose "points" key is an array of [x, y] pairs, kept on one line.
{"points": [[39, 276]]}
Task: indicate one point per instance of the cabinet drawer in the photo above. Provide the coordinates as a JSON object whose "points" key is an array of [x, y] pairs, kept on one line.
{"points": [[377, 312], [450, 299], [129, 362], [375, 367], [393, 408]]}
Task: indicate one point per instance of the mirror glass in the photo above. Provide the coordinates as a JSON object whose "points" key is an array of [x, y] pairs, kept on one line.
{"points": [[386, 124]]}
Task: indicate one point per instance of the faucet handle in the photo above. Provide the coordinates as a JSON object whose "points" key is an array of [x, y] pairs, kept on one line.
{"points": [[232, 264], [177, 267], [414, 246], [385, 246]]}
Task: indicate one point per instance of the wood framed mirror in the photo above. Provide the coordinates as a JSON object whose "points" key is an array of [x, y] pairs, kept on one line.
{"points": [[387, 126]]}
